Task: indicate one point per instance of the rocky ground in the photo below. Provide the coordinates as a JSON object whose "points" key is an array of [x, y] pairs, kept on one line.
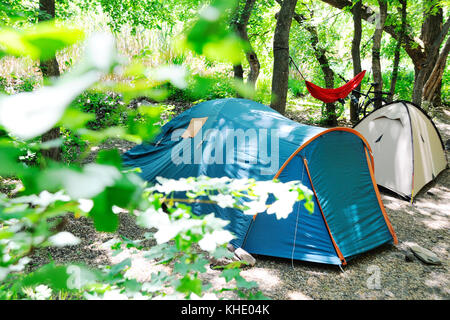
{"points": [[388, 272]]}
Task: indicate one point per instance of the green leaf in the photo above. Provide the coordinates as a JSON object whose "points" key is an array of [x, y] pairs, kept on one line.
{"points": [[40, 42], [110, 157], [184, 268], [244, 284], [75, 119], [211, 36], [8, 159], [309, 205], [48, 38], [30, 114], [164, 252], [104, 218], [126, 191], [229, 50], [61, 277], [189, 285], [157, 282], [6, 234], [181, 268], [222, 252], [121, 266], [230, 274], [257, 296], [132, 286]]}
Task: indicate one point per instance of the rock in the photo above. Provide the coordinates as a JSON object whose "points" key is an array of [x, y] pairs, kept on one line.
{"points": [[409, 256], [239, 255], [388, 293], [222, 262], [425, 255], [243, 255]]}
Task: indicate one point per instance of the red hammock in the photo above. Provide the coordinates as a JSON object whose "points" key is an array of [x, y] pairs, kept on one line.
{"points": [[332, 95]]}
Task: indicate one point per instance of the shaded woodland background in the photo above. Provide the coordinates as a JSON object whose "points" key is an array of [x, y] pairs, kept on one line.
{"points": [[403, 45]]}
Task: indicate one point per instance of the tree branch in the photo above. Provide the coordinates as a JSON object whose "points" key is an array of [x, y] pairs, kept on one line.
{"points": [[413, 48]]}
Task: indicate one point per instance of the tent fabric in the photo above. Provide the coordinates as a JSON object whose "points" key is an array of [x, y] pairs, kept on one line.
{"points": [[333, 95], [230, 143], [407, 148]]}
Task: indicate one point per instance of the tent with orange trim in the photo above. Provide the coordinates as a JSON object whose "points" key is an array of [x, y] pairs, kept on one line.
{"points": [[239, 138]]}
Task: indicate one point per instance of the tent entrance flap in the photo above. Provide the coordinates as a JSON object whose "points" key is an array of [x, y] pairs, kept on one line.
{"points": [[349, 202], [301, 236]]}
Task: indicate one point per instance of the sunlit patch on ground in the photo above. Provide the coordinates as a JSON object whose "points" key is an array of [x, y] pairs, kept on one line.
{"points": [[297, 295]]}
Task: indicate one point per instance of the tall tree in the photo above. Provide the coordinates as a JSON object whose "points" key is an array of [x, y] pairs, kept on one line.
{"points": [[434, 81], [376, 49], [280, 75], [432, 35], [356, 56], [49, 68], [397, 49], [240, 23]]}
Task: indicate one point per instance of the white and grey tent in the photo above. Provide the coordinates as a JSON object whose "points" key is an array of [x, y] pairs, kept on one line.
{"points": [[407, 148]]}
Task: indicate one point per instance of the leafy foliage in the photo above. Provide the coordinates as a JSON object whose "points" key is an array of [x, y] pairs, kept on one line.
{"points": [[98, 190]]}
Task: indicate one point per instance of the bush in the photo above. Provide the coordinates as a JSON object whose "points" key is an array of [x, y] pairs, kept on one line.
{"points": [[14, 84], [108, 108], [297, 87], [217, 86], [404, 85], [72, 146], [263, 91]]}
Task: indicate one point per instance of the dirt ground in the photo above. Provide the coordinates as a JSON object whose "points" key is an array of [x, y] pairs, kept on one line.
{"points": [[383, 273]]}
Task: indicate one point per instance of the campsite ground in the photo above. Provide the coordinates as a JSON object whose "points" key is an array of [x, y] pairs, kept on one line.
{"points": [[383, 273]]}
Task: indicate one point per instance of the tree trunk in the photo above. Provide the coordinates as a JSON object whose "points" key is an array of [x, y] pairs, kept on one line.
{"points": [[356, 56], [49, 68], [320, 54], [281, 56], [238, 72], [397, 51], [240, 25], [433, 33], [376, 63], [435, 79]]}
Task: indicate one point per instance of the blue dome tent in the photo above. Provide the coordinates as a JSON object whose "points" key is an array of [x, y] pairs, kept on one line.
{"points": [[239, 138]]}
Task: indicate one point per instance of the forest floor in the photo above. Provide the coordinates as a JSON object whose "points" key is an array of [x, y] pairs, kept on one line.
{"points": [[382, 273]]}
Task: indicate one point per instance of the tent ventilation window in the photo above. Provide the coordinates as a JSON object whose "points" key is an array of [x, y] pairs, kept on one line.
{"points": [[194, 127], [379, 138]]}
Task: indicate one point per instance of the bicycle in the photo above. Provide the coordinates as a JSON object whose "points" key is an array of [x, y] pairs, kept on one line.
{"points": [[368, 103]]}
